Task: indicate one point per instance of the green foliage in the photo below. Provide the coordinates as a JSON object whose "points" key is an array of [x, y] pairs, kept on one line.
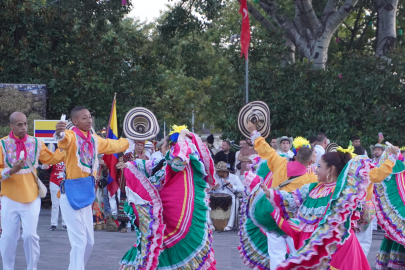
{"points": [[356, 97]]}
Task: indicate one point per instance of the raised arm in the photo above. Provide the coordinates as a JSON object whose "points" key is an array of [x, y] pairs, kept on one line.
{"points": [[49, 158], [387, 164], [108, 146], [275, 162]]}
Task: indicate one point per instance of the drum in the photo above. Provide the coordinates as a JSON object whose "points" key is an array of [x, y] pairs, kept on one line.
{"points": [[220, 204]]}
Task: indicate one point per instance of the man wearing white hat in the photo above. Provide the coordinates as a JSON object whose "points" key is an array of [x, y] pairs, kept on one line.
{"points": [[284, 145], [227, 183]]}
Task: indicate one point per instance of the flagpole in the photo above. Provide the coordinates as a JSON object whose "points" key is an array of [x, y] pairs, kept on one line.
{"points": [[247, 78], [109, 121]]}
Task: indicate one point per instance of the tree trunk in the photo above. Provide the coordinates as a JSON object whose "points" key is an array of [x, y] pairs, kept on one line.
{"points": [[289, 53], [386, 26]]}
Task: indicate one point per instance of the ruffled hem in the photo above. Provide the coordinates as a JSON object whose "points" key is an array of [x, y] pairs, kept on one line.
{"points": [[387, 213], [206, 159], [318, 249], [248, 252], [155, 240]]}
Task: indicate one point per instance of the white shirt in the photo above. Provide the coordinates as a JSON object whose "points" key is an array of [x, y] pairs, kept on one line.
{"points": [[289, 154], [235, 182], [320, 151]]}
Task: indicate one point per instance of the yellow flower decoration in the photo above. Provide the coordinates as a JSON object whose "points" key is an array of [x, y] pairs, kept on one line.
{"points": [[402, 148], [177, 129], [349, 150], [300, 142]]}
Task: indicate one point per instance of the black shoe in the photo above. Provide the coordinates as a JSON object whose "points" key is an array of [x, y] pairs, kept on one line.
{"points": [[64, 227], [132, 228], [53, 228]]}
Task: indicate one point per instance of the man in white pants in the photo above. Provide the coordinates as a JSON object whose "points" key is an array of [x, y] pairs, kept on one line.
{"points": [[20, 197], [81, 157], [277, 247], [227, 183], [57, 176]]}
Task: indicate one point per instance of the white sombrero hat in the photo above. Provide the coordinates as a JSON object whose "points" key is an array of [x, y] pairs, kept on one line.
{"points": [[258, 113], [140, 124]]}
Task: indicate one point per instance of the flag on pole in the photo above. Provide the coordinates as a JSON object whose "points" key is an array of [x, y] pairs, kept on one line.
{"points": [[245, 33], [112, 160]]}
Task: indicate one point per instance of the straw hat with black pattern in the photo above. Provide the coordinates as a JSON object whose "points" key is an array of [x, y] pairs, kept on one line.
{"points": [[140, 124], [332, 147], [258, 113], [221, 167]]}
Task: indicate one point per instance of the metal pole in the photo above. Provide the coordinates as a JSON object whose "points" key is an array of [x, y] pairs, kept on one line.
{"points": [[247, 78], [192, 120], [164, 129]]}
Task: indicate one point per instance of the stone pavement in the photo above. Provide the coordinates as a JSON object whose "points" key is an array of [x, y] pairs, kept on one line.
{"points": [[110, 247]]}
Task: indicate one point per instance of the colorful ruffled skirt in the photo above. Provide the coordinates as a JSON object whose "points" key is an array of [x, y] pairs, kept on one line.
{"points": [[177, 237], [390, 256]]}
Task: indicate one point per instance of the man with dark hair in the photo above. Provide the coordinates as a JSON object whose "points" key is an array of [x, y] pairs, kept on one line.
{"points": [[226, 155], [273, 142], [312, 140], [81, 150], [19, 191], [356, 141], [320, 146], [244, 155]]}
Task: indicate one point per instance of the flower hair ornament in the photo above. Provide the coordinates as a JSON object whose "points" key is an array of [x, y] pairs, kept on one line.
{"points": [[300, 142], [349, 150], [174, 134]]}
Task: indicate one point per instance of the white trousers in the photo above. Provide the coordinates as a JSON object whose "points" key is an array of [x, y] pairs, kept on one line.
{"points": [[365, 238], [113, 202], [12, 213], [54, 188], [233, 215], [81, 232], [277, 247]]}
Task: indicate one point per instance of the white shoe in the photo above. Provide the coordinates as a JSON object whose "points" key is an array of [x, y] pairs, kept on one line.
{"points": [[227, 229], [212, 227]]}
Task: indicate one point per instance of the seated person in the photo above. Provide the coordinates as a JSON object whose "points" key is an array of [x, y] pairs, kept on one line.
{"points": [[227, 183]]}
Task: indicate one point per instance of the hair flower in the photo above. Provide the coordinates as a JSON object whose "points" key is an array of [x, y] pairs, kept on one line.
{"points": [[300, 142]]}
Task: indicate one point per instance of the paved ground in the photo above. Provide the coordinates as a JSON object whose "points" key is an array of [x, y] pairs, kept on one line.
{"points": [[110, 247]]}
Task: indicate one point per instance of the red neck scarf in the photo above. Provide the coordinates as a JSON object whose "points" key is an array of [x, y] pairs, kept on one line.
{"points": [[87, 140], [20, 143], [294, 168]]}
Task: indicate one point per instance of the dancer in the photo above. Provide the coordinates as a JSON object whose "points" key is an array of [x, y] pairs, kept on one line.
{"points": [[168, 206], [19, 191], [316, 215], [286, 176], [81, 157], [389, 201]]}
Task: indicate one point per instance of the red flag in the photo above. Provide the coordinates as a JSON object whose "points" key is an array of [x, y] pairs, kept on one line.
{"points": [[245, 33]]}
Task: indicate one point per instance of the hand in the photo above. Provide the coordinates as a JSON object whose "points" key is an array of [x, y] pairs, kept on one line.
{"points": [[45, 167], [380, 139], [394, 150], [60, 127], [230, 185], [251, 127], [185, 133], [17, 166], [265, 189], [215, 187], [121, 165]]}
